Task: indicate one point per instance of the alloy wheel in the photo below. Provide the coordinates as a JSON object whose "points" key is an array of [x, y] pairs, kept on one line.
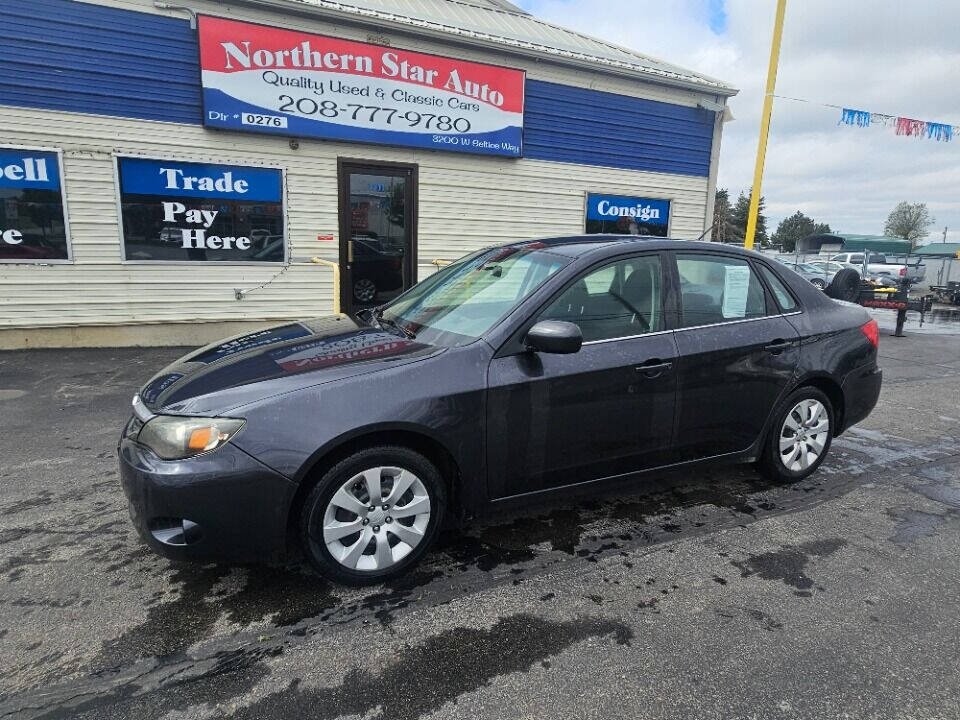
{"points": [[376, 518], [804, 435], [365, 290]]}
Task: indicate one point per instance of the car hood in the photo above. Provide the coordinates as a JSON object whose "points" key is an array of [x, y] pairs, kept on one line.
{"points": [[247, 368]]}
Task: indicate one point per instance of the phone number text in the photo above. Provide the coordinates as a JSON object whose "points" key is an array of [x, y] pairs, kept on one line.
{"points": [[371, 113]]}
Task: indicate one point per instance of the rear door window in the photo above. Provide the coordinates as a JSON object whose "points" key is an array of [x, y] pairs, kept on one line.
{"points": [[779, 290], [716, 289]]}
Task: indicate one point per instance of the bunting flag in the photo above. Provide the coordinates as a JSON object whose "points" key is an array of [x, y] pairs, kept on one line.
{"points": [[909, 127], [939, 131], [920, 129], [860, 118]]}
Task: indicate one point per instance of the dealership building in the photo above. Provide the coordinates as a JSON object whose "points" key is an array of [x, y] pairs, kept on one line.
{"points": [[174, 172]]}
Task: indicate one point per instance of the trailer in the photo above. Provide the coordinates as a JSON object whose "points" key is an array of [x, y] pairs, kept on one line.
{"points": [[948, 294], [895, 298]]}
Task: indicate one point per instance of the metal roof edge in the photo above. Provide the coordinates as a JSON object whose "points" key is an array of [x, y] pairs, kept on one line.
{"points": [[508, 6], [351, 14]]}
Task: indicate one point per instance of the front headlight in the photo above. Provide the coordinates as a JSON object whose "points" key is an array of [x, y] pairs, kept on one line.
{"points": [[176, 438]]}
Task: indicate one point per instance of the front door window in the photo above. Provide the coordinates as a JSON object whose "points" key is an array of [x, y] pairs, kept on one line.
{"points": [[618, 300]]}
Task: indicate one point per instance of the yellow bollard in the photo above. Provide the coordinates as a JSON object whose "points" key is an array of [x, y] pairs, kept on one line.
{"points": [[336, 281]]}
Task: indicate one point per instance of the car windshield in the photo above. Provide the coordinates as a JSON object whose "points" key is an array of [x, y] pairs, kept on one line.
{"points": [[464, 300]]}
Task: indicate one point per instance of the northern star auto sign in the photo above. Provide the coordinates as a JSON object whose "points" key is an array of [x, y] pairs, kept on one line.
{"points": [[263, 79]]}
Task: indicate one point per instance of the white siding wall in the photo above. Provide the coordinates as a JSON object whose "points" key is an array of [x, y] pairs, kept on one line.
{"points": [[464, 202]]}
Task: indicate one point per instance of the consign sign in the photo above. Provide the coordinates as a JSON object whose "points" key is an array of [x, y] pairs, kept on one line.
{"points": [[263, 79]]}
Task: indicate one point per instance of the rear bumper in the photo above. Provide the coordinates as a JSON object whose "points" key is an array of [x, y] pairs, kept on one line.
{"points": [[235, 506], [861, 390]]}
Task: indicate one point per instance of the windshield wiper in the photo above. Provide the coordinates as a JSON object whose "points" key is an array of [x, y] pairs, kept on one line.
{"points": [[387, 322]]}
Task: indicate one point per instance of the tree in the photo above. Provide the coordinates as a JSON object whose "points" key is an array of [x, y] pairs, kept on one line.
{"points": [[910, 221], [739, 215], [723, 230], [794, 228]]}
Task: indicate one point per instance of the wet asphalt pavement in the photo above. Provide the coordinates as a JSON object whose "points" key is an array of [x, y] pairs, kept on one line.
{"points": [[708, 594]]}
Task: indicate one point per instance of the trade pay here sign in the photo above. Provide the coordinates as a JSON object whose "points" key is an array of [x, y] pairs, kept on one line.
{"points": [[263, 79]]}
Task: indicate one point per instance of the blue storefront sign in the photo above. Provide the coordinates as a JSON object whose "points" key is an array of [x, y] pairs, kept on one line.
{"points": [[33, 225], [186, 211], [612, 207], [627, 214], [140, 176]]}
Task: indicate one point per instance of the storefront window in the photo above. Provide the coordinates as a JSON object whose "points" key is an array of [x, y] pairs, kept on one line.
{"points": [[625, 215], [33, 225], [198, 212]]}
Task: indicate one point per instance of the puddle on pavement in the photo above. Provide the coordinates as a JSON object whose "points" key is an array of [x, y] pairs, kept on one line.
{"points": [[281, 596], [789, 564], [446, 666]]}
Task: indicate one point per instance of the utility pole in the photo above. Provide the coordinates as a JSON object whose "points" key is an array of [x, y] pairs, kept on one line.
{"points": [[765, 124], [945, 233]]}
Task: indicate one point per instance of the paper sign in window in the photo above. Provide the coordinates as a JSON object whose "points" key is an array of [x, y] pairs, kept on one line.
{"points": [[736, 284]]}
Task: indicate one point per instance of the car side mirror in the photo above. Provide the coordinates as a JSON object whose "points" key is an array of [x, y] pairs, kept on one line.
{"points": [[554, 336]]}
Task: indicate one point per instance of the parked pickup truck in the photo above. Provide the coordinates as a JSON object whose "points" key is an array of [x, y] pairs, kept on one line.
{"points": [[912, 269]]}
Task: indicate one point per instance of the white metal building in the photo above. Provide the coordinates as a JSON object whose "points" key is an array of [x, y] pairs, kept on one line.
{"points": [[166, 178]]}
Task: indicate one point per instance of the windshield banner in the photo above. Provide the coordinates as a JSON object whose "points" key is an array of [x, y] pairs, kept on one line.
{"points": [[269, 80]]}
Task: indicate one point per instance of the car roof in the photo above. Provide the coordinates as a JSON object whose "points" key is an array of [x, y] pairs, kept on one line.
{"points": [[580, 245]]}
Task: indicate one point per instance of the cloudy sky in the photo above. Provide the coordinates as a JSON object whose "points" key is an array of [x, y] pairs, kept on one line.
{"points": [[889, 56]]}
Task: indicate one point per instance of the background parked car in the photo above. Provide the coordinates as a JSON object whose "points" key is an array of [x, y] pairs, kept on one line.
{"points": [[376, 268], [810, 273], [829, 268], [911, 269]]}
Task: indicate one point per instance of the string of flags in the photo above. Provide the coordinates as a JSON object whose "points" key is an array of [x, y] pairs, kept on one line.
{"points": [[908, 127]]}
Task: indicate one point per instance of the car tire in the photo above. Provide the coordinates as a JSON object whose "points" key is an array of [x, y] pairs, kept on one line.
{"points": [[844, 286], [819, 284], [797, 442], [346, 541]]}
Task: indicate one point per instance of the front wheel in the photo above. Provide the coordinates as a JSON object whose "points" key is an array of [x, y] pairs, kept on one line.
{"points": [[800, 436], [373, 515]]}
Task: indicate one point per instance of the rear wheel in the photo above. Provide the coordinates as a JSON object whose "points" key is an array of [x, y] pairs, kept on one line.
{"points": [[800, 436], [373, 515]]}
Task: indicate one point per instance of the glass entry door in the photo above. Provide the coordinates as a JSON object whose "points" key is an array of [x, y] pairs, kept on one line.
{"points": [[377, 230]]}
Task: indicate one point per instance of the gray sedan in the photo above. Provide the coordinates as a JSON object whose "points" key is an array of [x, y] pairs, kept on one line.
{"points": [[815, 275]]}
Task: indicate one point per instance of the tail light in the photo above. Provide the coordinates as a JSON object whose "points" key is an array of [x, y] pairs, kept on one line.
{"points": [[872, 332], [903, 272]]}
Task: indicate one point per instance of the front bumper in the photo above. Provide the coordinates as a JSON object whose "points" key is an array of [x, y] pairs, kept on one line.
{"points": [[235, 507], [861, 390]]}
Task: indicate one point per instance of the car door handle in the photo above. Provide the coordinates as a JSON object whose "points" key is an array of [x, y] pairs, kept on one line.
{"points": [[653, 368], [777, 346]]}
